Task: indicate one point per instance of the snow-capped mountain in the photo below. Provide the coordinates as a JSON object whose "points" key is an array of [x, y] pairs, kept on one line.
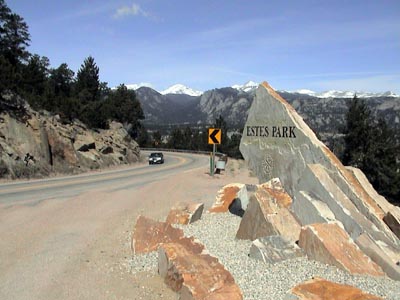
{"points": [[247, 87], [181, 89], [250, 86], [343, 94], [135, 86]]}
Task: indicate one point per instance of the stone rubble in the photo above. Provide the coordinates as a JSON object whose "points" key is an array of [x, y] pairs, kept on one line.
{"points": [[309, 217]]}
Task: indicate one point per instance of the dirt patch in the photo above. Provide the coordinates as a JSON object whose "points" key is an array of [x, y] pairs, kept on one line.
{"points": [[79, 248]]}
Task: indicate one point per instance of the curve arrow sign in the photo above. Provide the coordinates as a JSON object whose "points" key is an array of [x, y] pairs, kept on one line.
{"points": [[214, 136]]}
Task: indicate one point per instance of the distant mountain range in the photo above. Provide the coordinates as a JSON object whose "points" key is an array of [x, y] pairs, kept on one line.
{"points": [[181, 89], [325, 115]]}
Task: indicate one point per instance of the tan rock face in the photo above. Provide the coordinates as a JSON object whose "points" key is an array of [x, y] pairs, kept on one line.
{"points": [[226, 196], [386, 261], [276, 142], [195, 275], [383, 204], [330, 244], [185, 213], [59, 147], [148, 234], [321, 289], [275, 189], [267, 215], [272, 249]]}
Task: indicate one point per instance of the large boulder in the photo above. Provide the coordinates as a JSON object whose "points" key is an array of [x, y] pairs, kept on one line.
{"points": [[276, 142], [330, 244], [310, 210], [272, 249], [267, 215], [232, 194], [388, 262], [149, 234], [194, 274], [321, 289], [185, 213], [84, 141]]}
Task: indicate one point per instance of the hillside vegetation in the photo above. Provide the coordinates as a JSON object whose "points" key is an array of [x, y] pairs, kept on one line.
{"points": [[59, 90]]}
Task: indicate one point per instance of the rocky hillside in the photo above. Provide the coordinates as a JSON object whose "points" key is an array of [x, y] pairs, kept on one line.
{"points": [[37, 144], [326, 116]]}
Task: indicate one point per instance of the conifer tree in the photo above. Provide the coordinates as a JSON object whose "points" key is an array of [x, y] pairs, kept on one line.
{"points": [[14, 38], [87, 81], [358, 133], [372, 147]]}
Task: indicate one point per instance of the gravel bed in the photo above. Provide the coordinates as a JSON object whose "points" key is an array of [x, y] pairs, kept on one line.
{"points": [[257, 279]]}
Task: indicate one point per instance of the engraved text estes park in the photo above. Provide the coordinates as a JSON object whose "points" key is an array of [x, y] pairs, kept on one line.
{"points": [[271, 131]]}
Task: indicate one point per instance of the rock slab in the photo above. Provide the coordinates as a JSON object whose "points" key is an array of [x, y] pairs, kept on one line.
{"points": [[267, 215], [227, 195], [148, 234], [276, 142], [185, 213], [196, 276], [272, 249], [329, 243], [321, 289]]}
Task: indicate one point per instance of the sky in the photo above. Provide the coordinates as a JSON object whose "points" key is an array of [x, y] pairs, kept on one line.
{"points": [[317, 45]]}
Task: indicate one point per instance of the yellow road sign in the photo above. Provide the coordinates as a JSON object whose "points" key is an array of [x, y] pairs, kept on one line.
{"points": [[214, 136]]}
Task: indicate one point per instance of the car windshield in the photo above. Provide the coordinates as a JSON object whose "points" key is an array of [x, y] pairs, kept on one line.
{"points": [[156, 155]]}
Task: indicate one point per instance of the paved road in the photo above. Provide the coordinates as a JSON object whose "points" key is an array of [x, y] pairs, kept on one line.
{"points": [[34, 191], [68, 238]]}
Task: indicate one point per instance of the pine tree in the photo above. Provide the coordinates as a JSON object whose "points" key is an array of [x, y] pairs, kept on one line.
{"points": [[34, 79], [61, 81], [372, 147], [14, 38], [88, 83], [14, 35], [358, 133], [123, 107]]}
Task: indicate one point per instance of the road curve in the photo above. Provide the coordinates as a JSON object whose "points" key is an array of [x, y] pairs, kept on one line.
{"points": [[33, 191]]}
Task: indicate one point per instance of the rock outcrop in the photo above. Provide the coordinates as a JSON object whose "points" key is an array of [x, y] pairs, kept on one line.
{"points": [[277, 143], [37, 144]]}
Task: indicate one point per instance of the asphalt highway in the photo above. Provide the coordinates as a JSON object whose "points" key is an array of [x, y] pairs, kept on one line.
{"points": [[31, 192]]}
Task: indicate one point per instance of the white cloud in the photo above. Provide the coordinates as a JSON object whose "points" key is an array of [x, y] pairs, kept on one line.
{"points": [[133, 10]]}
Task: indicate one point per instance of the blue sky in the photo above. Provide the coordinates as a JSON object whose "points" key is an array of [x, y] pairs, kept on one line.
{"points": [[317, 45]]}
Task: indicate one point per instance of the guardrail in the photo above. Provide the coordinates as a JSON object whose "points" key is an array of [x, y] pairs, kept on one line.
{"points": [[181, 151]]}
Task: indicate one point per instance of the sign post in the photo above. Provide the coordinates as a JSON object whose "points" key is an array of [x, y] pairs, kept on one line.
{"points": [[214, 138]]}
